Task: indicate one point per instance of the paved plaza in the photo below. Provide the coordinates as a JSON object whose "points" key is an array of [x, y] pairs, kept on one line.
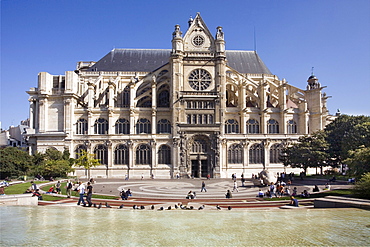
{"points": [[170, 192], [178, 188]]}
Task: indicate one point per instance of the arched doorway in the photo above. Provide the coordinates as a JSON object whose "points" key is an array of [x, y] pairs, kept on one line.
{"points": [[200, 157]]}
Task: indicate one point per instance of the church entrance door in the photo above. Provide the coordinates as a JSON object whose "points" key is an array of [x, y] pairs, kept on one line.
{"points": [[199, 168]]}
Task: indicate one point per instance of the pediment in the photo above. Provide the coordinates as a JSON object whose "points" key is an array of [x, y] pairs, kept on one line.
{"points": [[198, 38]]}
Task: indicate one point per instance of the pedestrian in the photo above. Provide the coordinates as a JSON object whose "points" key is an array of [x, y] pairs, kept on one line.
{"points": [[89, 193], [69, 187], [142, 176], [235, 187], [81, 191], [58, 189], [272, 190], [203, 187]]}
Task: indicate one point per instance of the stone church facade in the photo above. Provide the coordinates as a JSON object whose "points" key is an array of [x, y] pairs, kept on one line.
{"points": [[194, 110]]}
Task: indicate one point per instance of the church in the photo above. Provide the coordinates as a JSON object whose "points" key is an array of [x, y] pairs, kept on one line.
{"points": [[195, 110]]}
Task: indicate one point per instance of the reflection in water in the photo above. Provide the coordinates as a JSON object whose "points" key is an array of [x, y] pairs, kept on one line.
{"points": [[75, 226]]}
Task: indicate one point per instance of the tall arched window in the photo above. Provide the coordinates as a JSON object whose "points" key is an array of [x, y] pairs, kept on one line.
{"points": [[81, 127], [123, 98], [231, 126], [163, 127], [101, 126], [79, 149], [122, 126], [235, 154], [163, 99], [143, 126], [253, 127], [273, 126], [101, 153], [164, 155], [275, 152], [292, 127], [143, 155], [199, 146], [121, 155], [256, 154]]}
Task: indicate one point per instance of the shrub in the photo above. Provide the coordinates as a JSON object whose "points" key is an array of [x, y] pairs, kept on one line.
{"points": [[362, 187]]}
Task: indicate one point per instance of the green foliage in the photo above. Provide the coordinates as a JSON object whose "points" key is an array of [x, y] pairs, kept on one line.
{"points": [[310, 151], [362, 187], [359, 161], [347, 133], [87, 160], [52, 163], [14, 162]]}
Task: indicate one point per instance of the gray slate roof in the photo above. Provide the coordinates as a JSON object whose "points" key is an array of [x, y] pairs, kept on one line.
{"points": [[147, 60]]}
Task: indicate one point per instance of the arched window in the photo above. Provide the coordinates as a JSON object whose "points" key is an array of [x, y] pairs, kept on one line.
{"points": [[256, 154], [273, 126], [143, 126], [81, 127], [121, 155], [79, 149], [143, 155], [231, 126], [199, 146], [123, 98], [101, 153], [163, 126], [292, 127], [253, 127], [164, 155], [235, 154], [275, 152], [146, 101], [122, 126], [101, 126], [163, 99]]}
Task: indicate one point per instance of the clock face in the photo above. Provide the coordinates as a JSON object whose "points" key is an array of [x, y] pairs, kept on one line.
{"points": [[200, 79], [198, 40]]}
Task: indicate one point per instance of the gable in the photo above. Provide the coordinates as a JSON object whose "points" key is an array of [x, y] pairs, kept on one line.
{"points": [[198, 37]]}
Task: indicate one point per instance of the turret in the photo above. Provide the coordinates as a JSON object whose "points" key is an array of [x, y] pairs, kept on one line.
{"points": [[177, 41]]}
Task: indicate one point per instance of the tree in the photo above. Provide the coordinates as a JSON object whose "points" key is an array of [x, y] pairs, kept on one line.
{"points": [[310, 151], [358, 161], [347, 133], [14, 162], [52, 163], [87, 161], [362, 187]]}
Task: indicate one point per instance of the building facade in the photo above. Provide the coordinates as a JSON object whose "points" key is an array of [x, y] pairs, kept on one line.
{"points": [[194, 110]]}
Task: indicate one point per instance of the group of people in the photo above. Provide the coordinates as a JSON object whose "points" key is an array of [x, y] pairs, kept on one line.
{"points": [[125, 194]]}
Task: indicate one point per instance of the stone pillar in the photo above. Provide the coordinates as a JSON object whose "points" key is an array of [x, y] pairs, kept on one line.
{"points": [[43, 116]]}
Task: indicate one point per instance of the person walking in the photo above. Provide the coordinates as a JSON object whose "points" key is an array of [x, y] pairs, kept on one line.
{"points": [[203, 187], [235, 187], [81, 191], [69, 187], [89, 193]]}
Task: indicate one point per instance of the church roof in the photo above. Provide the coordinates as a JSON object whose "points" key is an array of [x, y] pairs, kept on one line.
{"points": [[147, 60]]}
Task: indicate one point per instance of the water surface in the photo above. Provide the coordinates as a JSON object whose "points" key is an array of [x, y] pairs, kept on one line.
{"points": [[75, 226]]}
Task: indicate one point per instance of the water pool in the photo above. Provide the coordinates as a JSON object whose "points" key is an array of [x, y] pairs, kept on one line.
{"points": [[78, 226]]}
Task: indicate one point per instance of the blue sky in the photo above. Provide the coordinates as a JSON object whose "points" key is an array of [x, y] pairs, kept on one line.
{"points": [[333, 36]]}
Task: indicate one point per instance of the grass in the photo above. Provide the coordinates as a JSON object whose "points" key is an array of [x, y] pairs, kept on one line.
{"points": [[342, 192], [22, 187]]}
